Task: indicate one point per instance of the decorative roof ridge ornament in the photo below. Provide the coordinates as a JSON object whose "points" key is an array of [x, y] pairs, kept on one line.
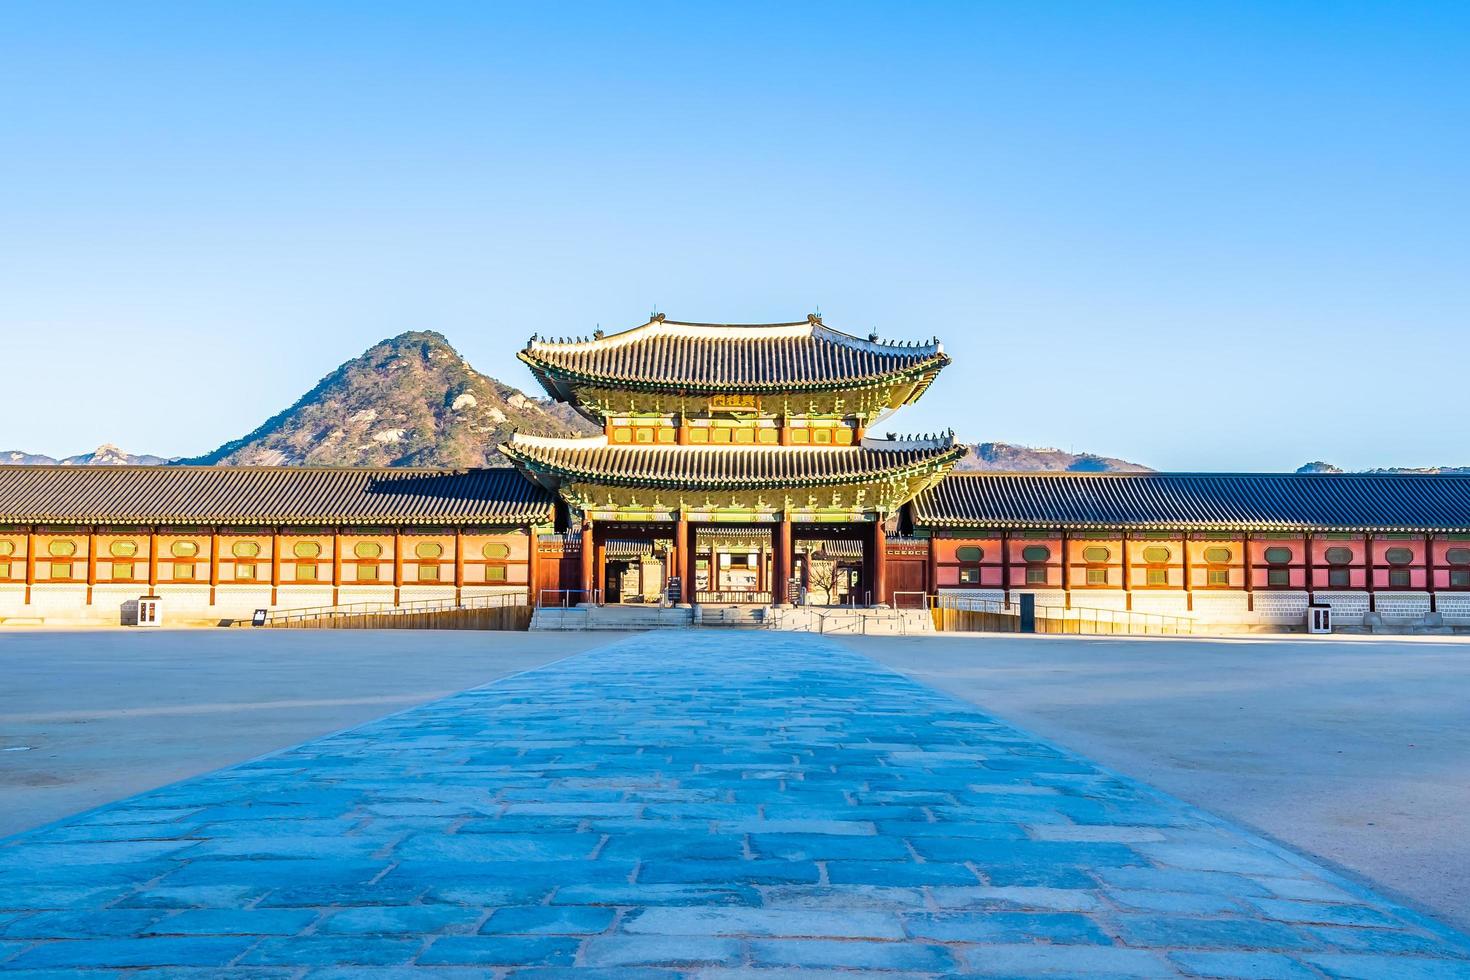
{"points": [[812, 326], [557, 442], [893, 442]]}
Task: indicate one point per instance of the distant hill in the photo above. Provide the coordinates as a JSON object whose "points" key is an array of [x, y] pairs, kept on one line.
{"points": [[104, 455], [1320, 467], [413, 400], [408, 401], [1005, 457]]}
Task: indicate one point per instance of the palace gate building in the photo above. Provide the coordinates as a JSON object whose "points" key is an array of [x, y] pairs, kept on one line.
{"points": [[737, 464]]}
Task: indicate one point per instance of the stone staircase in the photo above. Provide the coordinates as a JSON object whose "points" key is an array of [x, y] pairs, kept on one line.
{"points": [[733, 616], [612, 617], [804, 619]]}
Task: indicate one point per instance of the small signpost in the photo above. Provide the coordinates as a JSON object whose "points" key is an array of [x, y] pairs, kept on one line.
{"points": [[259, 618], [674, 590], [150, 611]]}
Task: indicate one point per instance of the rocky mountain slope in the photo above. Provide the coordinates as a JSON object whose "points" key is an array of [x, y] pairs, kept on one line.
{"points": [[1005, 457], [408, 401]]}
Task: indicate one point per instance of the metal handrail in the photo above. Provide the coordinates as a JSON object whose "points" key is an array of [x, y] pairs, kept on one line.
{"points": [[593, 595], [1076, 619], [733, 597], [497, 600]]}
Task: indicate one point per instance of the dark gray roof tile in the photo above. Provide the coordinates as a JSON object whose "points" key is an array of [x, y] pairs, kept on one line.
{"points": [[1234, 501], [261, 495]]}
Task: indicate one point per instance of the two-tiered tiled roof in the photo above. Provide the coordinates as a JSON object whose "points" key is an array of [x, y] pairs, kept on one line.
{"points": [[268, 495], [667, 355], [1199, 501], [558, 461]]}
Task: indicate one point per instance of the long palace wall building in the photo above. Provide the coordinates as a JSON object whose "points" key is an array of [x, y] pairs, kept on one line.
{"points": [[737, 464]]}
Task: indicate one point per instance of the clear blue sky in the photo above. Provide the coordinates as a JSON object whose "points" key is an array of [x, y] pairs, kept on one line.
{"points": [[1200, 236]]}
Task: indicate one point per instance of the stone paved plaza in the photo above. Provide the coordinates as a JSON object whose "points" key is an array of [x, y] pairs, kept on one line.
{"points": [[699, 803]]}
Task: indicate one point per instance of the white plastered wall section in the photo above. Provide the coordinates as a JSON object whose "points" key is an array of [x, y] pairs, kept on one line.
{"points": [[1454, 607]]}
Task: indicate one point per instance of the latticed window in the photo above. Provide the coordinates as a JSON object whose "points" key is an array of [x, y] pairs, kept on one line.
{"points": [[1217, 576], [1156, 576], [1278, 576], [1398, 577], [969, 576], [1097, 576], [1036, 556], [1339, 577], [1459, 559]]}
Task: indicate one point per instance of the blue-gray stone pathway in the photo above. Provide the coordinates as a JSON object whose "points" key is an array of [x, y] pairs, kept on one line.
{"points": [[708, 804]]}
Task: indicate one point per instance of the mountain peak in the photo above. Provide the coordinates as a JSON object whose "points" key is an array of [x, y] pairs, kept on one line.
{"points": [[1005, 457], [409, 400]]}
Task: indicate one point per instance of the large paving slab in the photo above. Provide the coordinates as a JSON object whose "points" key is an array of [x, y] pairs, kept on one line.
{"points": [[1355, 750], [701, 803], [88, 716]]}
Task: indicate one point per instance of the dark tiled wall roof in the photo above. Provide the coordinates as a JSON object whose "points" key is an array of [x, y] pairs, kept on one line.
{"points": [[1235, 501], [723, 466], [259, 495], [670, 355]]}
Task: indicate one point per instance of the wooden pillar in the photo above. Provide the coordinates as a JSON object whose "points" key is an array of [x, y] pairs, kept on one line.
{"points": [[760, 566], [1429, 570], [1188, 585], [1066, 571], [30, 562], [213, 563], [458, 565], [880, 561], [153, 562], [1005, 568], [1307, 559], [397, 564], [533, 565], [588, 549], [275, 562], [931, 569], [683, 433], [780, 594], [1127, 583], [91, 562], [1250, 595], [785, 430], [1368, 579], [683, 558], [600, 569], [336, 565]]}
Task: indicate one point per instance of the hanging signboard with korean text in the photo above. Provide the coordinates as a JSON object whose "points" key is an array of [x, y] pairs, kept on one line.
{"points": [[735, 403]]}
